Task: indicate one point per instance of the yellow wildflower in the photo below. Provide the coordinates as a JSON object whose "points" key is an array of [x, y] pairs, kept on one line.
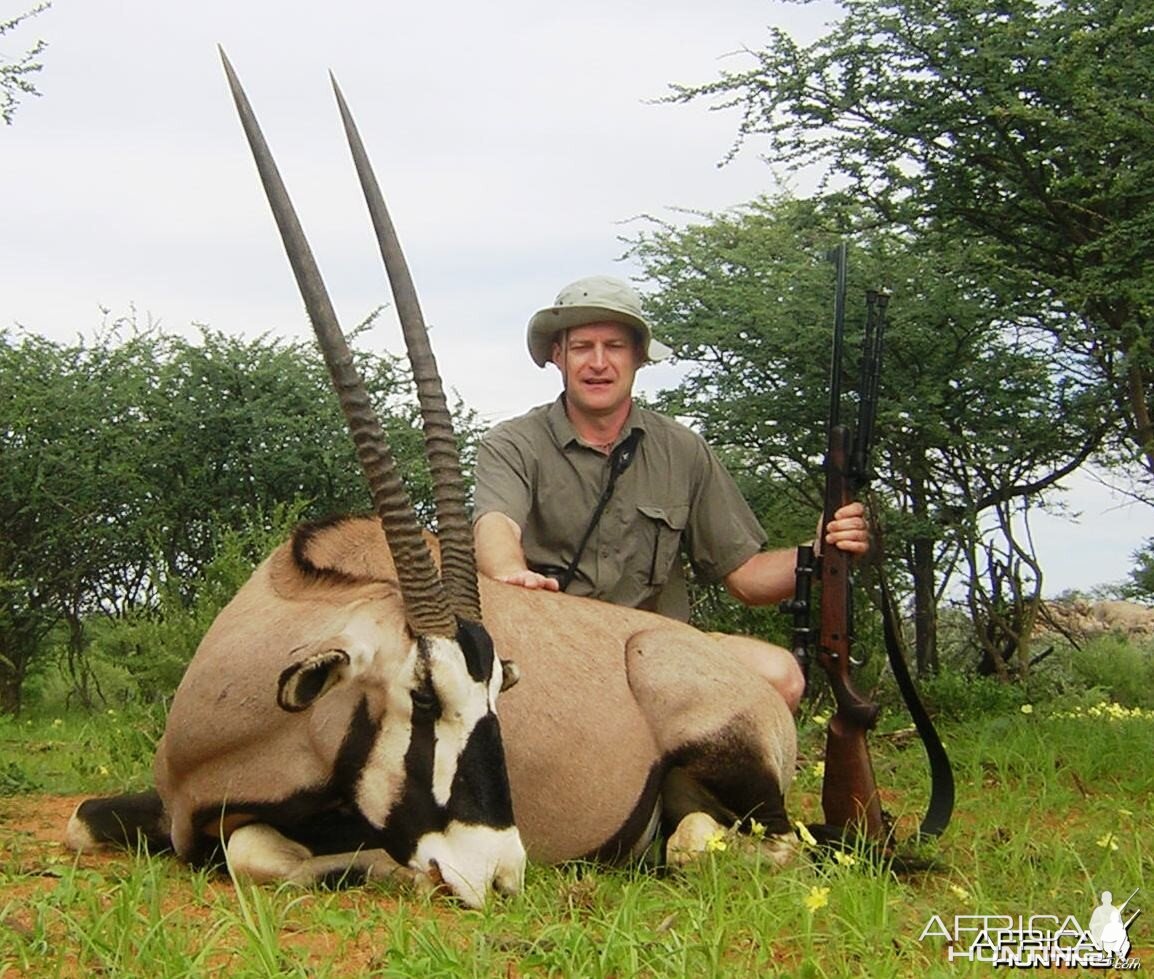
{"points": [[1107, 842], [806, 836], [818, 897], [716, 843]]}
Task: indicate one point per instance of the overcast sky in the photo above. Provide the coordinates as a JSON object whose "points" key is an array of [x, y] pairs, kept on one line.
{"points": [[515, 141]]}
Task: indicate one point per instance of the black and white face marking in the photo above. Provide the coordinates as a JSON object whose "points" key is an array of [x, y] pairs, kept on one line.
{"points": [[435, 781]]}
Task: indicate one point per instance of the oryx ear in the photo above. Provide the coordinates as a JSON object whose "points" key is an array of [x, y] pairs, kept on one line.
{"points": [[304, 683], [510, 674]]}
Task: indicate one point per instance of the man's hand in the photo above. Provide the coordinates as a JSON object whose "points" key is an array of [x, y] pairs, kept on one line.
{"points": [[531, 580], [499, 555], [849, 530]]}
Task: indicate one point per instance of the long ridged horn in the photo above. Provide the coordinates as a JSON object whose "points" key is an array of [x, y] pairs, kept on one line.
{"points": [[458, 562], [426, 607]]}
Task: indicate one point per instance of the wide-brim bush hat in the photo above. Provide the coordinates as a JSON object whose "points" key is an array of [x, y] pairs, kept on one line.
{"points": [[594, 299]]}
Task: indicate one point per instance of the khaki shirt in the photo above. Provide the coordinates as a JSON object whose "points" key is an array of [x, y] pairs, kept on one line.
{"points": [[675, 496]]}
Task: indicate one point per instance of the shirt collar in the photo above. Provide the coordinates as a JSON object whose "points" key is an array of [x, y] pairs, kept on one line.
{"points": [[565, 435]]}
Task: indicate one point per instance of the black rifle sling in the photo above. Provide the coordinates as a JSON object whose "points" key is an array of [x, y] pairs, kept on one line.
{"points": [[619, 460], [941, 804]]}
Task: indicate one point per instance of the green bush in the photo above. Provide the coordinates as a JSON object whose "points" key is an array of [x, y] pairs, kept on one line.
{"points": [[1123, 670], [154, 645], [140, 656], [958, 695]]}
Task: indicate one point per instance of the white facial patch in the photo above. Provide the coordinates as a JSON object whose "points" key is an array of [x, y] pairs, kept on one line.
{"points": [[464, 701], [365, 633], [382, 781], [474, 859]]}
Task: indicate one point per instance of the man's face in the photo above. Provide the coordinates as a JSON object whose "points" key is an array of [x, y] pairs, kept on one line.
{"points": [[598, 363]]}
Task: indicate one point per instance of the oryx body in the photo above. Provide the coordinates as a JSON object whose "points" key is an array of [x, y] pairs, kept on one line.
{"points": [[620, 719]]}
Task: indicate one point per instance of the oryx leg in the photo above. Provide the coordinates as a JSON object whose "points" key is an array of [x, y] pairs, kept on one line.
{"points": [[775, 663], [731, 743], [260, 854], [125, 822]]}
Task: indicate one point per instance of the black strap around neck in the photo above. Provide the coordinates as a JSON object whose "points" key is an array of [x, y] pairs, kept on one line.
{"points": [[619, 460]]}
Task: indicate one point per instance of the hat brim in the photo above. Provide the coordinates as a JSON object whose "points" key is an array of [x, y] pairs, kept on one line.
{"points": [[547, 323]]}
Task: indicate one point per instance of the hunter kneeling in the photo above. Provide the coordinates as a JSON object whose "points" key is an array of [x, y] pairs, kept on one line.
{"points": [[598, 497]]}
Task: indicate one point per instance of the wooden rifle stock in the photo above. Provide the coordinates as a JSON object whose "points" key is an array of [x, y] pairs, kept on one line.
{"points": [[849, 794]]}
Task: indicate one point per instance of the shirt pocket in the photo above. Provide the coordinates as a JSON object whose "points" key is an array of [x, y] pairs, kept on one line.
{"points": [[664, 527]]}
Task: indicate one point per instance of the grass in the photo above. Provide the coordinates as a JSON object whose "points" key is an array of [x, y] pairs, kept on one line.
{"points": [[1055, 804]]}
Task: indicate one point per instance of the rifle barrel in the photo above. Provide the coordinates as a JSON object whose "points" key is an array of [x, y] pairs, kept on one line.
{"points": [[871, 362], [839, 257], [1128, 900]]}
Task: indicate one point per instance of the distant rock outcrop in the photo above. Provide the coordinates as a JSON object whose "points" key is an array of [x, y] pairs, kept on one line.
{"points": [[1081, 618]]}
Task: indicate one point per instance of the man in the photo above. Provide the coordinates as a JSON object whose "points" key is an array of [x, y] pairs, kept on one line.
{"points": [[632, 486]]}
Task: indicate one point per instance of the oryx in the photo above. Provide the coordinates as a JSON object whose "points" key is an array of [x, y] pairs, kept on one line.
{"points": [[339, 713]]}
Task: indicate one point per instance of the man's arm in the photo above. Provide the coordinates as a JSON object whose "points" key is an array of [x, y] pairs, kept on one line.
{"points": [[768, 577], [500, 555]]}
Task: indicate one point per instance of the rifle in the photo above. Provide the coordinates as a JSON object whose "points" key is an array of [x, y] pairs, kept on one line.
{"points": [[850, 799], [1122, 906]]}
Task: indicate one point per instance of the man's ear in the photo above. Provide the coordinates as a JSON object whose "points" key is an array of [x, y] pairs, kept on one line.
{"points": [[558, 357], [557, 354]]}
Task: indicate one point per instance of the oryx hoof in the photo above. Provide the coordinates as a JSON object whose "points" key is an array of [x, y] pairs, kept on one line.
{"points": [[696, 834]]}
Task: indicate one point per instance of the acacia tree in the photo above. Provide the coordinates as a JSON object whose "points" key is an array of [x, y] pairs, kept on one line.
{"points": [[1026, 124], [16, 73], [977, 410], [124, 460]]}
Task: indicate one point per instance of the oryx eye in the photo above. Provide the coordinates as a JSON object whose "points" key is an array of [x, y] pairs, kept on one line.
{"points": [[425, 700]]}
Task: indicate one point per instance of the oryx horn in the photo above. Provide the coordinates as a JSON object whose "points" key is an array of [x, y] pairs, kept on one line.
{"points": [[426, 607], [458, 561]]}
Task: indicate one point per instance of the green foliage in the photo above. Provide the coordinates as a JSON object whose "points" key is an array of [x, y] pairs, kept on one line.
{"points": [[1022, 126], [15, 780], [50, 748], [1123, 671], [127, 459], [746, 297], [15, 73], [961, 696], [142, 654], [1104, 669], [1141, 579]]}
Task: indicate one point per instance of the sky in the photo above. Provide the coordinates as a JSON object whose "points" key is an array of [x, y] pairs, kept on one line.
{"points": [[517, 144]]}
